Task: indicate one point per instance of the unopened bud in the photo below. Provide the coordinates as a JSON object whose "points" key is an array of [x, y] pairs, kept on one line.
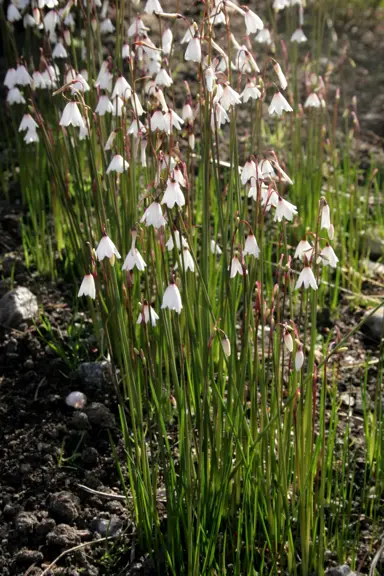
{"points": [[226, 346]]}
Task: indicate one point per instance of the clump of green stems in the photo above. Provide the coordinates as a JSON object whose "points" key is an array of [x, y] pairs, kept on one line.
{"points": [[245, 445]]}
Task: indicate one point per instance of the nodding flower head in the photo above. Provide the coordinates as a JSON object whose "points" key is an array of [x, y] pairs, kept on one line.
{"points": [[107, 249], [172, 298]]}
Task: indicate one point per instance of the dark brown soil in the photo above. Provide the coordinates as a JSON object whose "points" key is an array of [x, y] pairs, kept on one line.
{"points": [[47, 450]]}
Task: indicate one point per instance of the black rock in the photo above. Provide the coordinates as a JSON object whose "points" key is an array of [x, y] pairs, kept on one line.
{"points": [[100, 416]]}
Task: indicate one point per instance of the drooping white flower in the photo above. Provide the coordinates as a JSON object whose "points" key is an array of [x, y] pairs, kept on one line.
{"points": [[328, 257], [210, 78], [173, 195], [122, 88], [104, 78], [280, 4], [59, 51], [106, 27], [215, 248], [110, 141], [219, 116], [304, 249], [139, 111], [27, 123], [51, 76], [279, 105], [325, 216], [125, 51], [248, 172], [117, 164], [31, 136], [312, 101], [157, 121], [88, 287], [136, 28], [163, 78], [252, 22], [279, 73], [266, 169], [235, 267], [147, 314], [13, 14], [245, 62], [136, 127], [229, 97], [38, 80], [187, 260], [285, 210], [172, 298], [134, 258], [107, 249], [83, 132], [51, 20], [299, 36], [299, 360], [250, 91], [117, 106], [251, 246], [190, 33], [104, 105], [152, 6], [172, 120], [22, 77], [288, 341], [159, 95], [166, 41], [306, 279], [71, 116], [193, 51], [217, 16], [153, 216], [264, 37], [10, 78], [14, 96], [80, 84], [179, 176], [226, 344], [180, 241]]}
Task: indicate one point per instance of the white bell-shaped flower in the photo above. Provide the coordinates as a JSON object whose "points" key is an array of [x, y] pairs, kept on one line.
{"points": [[226, 344], [190, 33], [104, 78], [104, 105], [313, 101], [134, 258], [180, 241], [173, 194], [252, 22], [153, 216], [136, 28], [229, 97], [125, 51], [88, 287], [288, 341], [251, 246], [106, 27], [107, 249], [157, 121], [279, 105], [215, 248], [235, 267], [299, 36], [152, 6], [117, 164], [117, 106], [303, 250], [282, 79], [210, 78], [147, 314], [186, 260], [306, 279], [13, 14], [122, 89], [299, 360], [172, 298], [285, 210], [219, 116], [249, 171], [31, 137], [172, 120], [163, 78], [193, 51], [179, 176], [71, 116], [166, 41], [110, 141], [59, 51], [22, 77], [38, 81], [328, 257], [250, 92], [80, 84], [264, 37], [27, 123], [10, 78], [14, 96], [325, 217], [136, 127]]}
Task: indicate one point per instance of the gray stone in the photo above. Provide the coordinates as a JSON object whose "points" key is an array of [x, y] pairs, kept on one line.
{"points": [[25, 523], [90, 456], [374, 325], [18, 306], [80, 421], [64, 506], [100, 416], [28, 557], [107, 526], [94, 373], [63, 536]]}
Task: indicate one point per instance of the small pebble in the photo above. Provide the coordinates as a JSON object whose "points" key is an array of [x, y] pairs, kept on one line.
{"points": [[76, 400]]}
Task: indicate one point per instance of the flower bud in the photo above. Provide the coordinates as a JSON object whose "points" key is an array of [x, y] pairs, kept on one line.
{"points": [[226, 346]]}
